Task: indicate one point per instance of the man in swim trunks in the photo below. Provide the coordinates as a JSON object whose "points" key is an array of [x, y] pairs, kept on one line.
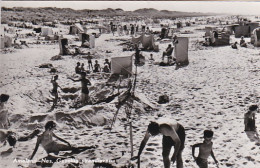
{"points": [[4, 121], [205, 149], [173, 135], [51, 146]]}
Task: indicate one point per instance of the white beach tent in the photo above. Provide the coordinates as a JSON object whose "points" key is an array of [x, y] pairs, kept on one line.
{"points": [[46, 31], [181, 51], [2, 42], [92, 41], [121, 65], [255, 37]]}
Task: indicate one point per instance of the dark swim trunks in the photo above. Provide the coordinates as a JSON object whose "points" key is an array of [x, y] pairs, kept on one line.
{"points": [[168, 142]]}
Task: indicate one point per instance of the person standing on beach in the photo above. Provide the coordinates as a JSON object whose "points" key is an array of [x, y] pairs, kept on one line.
{"points": [[173, 135], [249, 118], [84, 88], [4, 121], [54, 91], [89, 58], [205, 149]]}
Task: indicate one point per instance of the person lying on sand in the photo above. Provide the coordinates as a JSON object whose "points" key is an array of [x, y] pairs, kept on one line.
{"points": [[54, 91], [12, 137], [84, 87], [205, 149], [51, 146], [249, 118], [173, 135]]}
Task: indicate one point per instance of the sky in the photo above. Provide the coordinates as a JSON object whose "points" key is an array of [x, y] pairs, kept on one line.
{"points": [[234, 7]]}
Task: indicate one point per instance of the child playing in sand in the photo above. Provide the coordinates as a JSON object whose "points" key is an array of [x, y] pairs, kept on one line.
{"points": [[205, 149], [4, 121], [54, 91], [51, 146], [84, 88], [249, 118]]}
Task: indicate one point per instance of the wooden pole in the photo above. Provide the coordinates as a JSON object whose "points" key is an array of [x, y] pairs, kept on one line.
{"points": [[131, 138]]}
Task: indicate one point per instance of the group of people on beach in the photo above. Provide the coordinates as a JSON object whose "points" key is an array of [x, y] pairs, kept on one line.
{"points": [[242, 43], [172, 131]]}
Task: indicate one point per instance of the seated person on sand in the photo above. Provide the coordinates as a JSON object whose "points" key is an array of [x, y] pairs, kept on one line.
{"points": [[205, 149], [86, 44], [51, 146], [168, 51], [234, 46], [106, 68], [97, 67], [243, 42], [175, 40], [249, 118], [4, 121], [66, 50], [12, 137], [77, 68], [173, 136]]}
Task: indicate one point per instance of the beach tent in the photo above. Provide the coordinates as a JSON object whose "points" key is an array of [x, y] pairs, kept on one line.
{"points": [[76, 29], [181, 51], [2, 42], [92, 41], [45, 31], [62, 43], [208, 30], [242, 30], [121, 65], [7, 41], [252, 26], [223, 38], [255, 37], [147, 42]]}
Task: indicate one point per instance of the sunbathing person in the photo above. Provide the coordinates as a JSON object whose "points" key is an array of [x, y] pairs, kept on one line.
{"points": [[51, 146]]}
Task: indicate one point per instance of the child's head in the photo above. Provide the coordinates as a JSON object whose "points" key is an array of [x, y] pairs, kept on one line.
{"points": [[11, 139], [83, 74], [253, 107], [50, 125], [56, 77], [153, 128], [82, 64], [96, 61], [208, 135], [78, 63]]}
